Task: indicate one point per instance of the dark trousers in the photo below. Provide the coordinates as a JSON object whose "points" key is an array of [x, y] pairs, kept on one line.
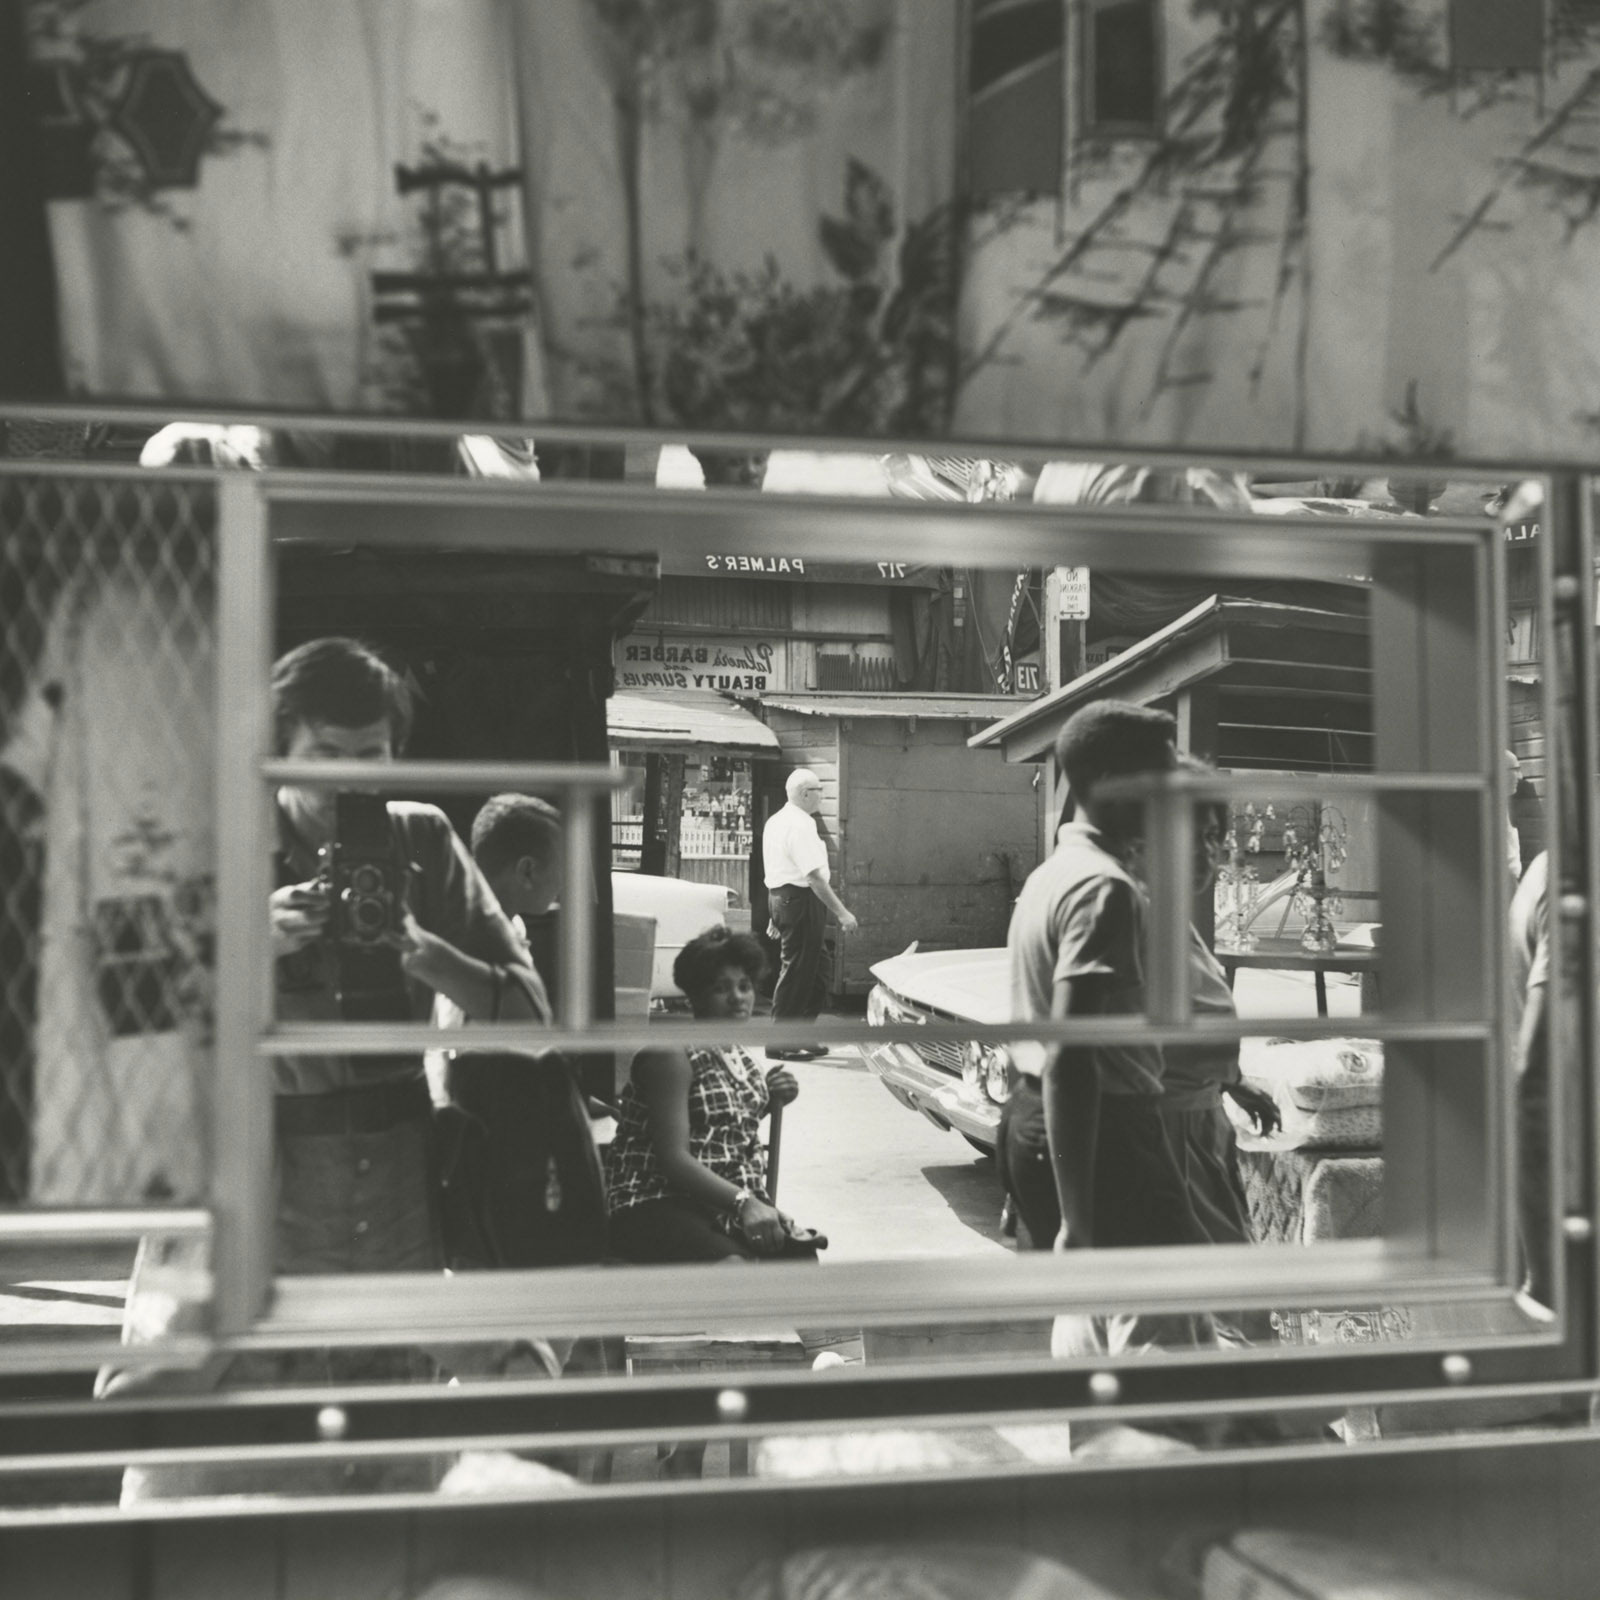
{"points": [[1139, 1199], [539, 1172], [1139, 1193], [800, 918]]}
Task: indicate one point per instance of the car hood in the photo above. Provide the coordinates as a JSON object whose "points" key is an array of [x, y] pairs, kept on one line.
{"points": [[972, 984]]}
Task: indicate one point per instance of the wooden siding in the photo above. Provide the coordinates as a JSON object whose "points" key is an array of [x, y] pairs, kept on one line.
{"points": [[937, 840], [1516, 1516], [844, 611], [729, 605], [931, 840]]}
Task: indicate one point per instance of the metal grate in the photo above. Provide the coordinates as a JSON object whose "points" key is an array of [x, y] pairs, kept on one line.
{"points": [[106, 852], [940, 1053]]}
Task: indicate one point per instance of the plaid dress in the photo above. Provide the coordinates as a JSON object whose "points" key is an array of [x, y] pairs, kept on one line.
{"points": [[727, 1100]]}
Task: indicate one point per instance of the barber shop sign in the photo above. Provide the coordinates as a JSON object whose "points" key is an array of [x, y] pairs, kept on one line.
{"points": [[737, 666]]}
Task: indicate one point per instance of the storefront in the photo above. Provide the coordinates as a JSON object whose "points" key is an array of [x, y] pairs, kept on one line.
{"points": [[692, 759]]}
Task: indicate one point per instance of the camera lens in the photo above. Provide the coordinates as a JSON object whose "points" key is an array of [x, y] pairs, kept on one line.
{"points": [[365, 878], [368, 917]]}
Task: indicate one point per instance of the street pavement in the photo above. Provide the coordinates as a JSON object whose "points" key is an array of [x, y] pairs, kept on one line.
{"points": [[880, 1181]]}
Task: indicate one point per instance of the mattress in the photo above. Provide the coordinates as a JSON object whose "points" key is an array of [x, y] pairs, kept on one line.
{"points": [[1303, 1196]]}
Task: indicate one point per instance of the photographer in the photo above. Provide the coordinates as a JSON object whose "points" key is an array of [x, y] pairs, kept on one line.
{"points": [[355, 1163]]}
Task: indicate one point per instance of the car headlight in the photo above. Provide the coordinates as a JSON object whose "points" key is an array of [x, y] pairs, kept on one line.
{"points": [[997, 1076], [987, 1067], [886, 1007]]}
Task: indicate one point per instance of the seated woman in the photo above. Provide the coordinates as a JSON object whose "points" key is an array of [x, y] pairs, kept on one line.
{"points": [[688, 1167]]}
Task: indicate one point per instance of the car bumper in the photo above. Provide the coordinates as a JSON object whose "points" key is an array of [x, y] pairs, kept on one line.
{"points": [[947, 1102]]}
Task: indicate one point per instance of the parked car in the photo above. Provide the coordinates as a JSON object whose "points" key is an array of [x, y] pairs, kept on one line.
{"points": [[681, 911], [959, 1087]]}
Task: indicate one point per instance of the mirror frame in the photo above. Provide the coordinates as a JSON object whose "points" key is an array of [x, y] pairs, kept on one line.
{"points": [[254, 1312]]}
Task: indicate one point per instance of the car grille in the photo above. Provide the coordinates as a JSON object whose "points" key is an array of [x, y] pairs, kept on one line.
{"points": [[941, 1053]]}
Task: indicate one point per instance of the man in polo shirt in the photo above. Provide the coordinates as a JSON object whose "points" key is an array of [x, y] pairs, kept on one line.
{"points": [[799, 898], [1082, 1146]]}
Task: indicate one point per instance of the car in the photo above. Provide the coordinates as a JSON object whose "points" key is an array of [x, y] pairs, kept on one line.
{"points": [[957, 1087], [680, 910]]}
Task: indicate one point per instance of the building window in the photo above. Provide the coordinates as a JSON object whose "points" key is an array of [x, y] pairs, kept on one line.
{"points": [[1121, 69], [1016, 90]]}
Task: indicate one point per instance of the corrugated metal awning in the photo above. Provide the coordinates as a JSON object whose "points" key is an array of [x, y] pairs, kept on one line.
{"points": [[1220, 641], [645, 721], [840, 703]]}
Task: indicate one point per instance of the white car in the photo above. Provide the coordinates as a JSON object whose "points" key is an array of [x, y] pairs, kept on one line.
{"points": [[681, 911], [955, 1086]]}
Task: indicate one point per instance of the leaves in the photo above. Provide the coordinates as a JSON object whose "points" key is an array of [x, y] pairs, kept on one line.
{"points": [[854, 243], [869, 353]]}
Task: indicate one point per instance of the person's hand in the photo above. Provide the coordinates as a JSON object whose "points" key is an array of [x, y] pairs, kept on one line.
{"points": [[782, 1086], [1071, 1239], [420, 951], [764, 1227], [299, 914], [1258, 1105], [849, 921]]}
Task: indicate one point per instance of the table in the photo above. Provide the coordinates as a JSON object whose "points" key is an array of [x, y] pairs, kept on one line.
{"points": [[1283, 954]]}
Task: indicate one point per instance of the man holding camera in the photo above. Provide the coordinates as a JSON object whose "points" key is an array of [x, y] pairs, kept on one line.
{"points": [[378, 908]]}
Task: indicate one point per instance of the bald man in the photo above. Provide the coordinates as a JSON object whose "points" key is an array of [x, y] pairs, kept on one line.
{"points": [[799, 898]]}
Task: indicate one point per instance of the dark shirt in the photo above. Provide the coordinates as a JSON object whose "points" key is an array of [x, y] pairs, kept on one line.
{"points": [[447, 895]]}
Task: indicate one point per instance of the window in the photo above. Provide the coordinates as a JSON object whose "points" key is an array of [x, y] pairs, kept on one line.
{"points": [[1121, 69], [1436, 787]]}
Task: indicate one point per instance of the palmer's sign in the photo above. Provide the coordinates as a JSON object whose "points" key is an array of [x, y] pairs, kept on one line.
{"points": [[661, 661], [795, 568]]}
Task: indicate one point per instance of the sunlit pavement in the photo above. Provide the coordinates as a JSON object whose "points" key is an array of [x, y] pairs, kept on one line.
{"points": [[880, 1181]]}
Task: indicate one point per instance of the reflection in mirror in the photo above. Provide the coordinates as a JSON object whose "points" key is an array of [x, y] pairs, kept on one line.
{"points": [[857, 221], [923, 703]]}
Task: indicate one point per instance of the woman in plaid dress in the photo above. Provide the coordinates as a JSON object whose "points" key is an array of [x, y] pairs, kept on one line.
{"points": [[688, 1166]]}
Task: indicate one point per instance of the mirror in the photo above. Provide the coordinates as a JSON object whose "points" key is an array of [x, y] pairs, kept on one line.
{"points": [[920, 695], [1127, 224]]}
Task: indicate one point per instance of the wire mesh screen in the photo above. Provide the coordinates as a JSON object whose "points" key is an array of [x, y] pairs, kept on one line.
{"points": [[106, 847]]}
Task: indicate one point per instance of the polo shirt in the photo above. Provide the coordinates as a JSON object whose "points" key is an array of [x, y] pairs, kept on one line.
{"points": [[1081, 914]]}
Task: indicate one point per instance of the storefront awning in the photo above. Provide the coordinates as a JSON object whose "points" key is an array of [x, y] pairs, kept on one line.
{"points": [[935, 707], [682, 720]]}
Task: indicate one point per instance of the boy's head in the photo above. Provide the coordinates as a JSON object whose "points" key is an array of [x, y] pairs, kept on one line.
{"points": [[1114, 739], [516, 841]]}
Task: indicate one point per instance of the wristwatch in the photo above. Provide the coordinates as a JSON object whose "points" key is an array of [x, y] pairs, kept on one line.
{"points": [[738, 1201]]}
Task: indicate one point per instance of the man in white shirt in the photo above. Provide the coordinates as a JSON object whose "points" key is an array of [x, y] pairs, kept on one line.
{"points": [[799, 898]]}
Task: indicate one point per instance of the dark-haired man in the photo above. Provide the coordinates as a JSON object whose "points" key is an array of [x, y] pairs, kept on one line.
{"points": [[355, 1167], [516, 841], [541, 1169], [354, 1161], [1082, 1146]]}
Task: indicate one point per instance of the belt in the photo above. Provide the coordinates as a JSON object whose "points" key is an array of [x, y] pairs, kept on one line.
{"points": [[373, 1108], [790, 888]]}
